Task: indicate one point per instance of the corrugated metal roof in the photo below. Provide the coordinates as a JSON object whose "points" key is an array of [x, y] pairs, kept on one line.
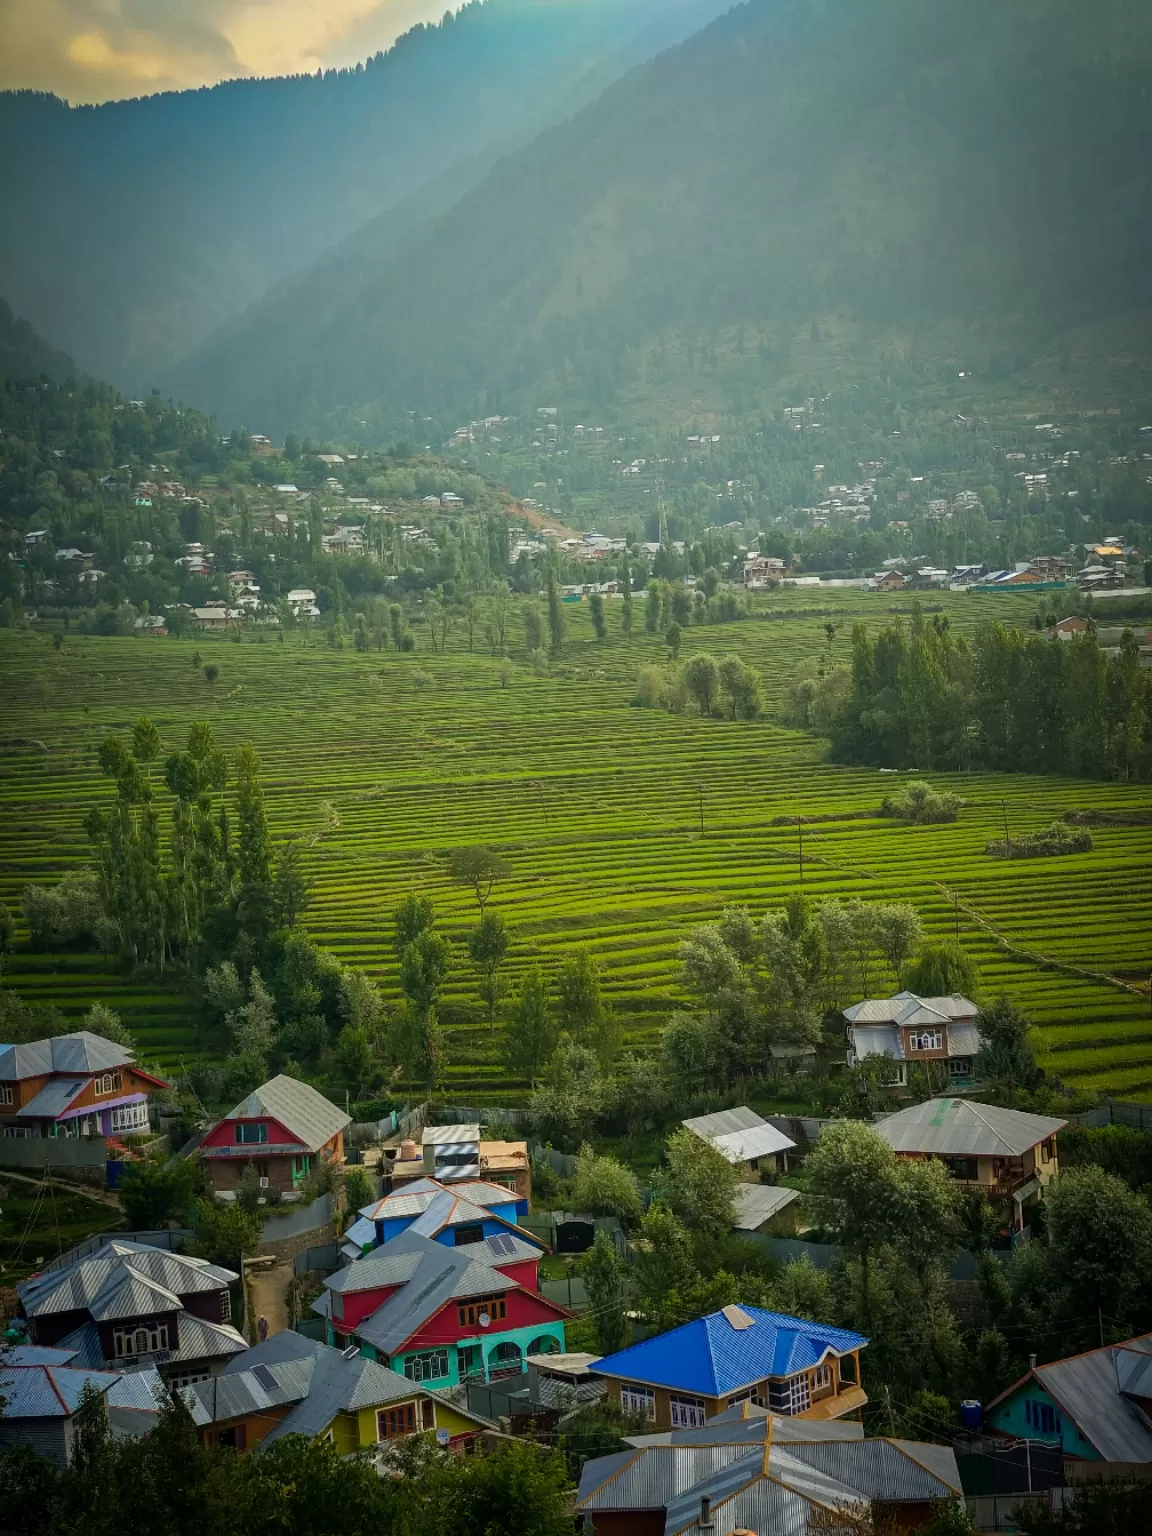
{"points": [[38, 1354], [75, 1289], [763, 1506], [748, 1424], [132, 1295], [275, 1350], [383, 1266], [1088, 1390], [47, 1391], [758, 1203], [908, 1008], [654, 1477], [298, 1106], [711, 1357], [360, 1232], [960, 1128], [450, 1135], [142, 1390], [80, 1051], [885, 1469], [1134, 1372], [202, 1340], [54, 1097], [740, 1134]]}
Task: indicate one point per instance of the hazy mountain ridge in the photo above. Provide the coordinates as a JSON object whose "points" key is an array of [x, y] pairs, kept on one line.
{"points": [[26, 355], [138, 227], [902, 162]]}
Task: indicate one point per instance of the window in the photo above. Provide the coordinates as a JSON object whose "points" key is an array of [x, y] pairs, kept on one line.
{"points": [[799, 1394], [300, 1166], [5, 1093], [641, 1400], [234, 1437], [107, 1082], [1042, 1417], [432, 1366], [428, 1414], [225, 1306], [130, 1117], [960, 1066], [822, 1376], [470, 1234], [848, 1370], [925, 1040], [963, 1168], [1047, 1150], [144, 1339], [687, 1412], [187, 1378], [391, 1422], [471, 1361], [251, 1132], [493, 1306]]}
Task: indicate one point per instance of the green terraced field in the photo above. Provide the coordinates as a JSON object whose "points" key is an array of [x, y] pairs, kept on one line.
{"points": [[596, 806]]}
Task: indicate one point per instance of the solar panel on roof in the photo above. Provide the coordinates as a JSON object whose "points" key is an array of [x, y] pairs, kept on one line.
{"points": [[501, 1243], [265, 1377]]}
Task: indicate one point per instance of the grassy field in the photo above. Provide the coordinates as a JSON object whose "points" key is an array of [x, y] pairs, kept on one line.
{"points": [[382, 763]]}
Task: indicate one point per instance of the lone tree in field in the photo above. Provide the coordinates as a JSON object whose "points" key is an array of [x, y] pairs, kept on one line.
{"points": [[488, 950], [479, 868], [702, 677], [532, 1031], [411, 918]]}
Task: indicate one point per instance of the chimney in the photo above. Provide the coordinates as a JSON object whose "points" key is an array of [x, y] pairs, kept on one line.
{"points": [[706, 1522], [1031, 1362], [430, 1159]]}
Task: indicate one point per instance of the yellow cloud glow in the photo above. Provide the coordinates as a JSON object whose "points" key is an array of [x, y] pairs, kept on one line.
{"points": [[283, 37], [91, 50]]}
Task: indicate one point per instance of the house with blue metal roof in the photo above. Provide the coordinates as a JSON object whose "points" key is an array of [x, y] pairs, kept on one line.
{"points": [[680, 1379], [41, 1391], [463, 1214]]}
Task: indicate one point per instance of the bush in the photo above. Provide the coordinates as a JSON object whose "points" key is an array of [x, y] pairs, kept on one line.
{"points": [[65, 913], [1050, 843], [921, 804], [659, 688]]}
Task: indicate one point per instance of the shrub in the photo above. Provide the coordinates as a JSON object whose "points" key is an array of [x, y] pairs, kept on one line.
{"points": [[921, 804], [1053, 841]]}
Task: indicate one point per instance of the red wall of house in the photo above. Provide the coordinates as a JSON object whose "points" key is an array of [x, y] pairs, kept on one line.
{"points": [[522, 1310], [361, 1304], [524, 1272], [224, 1134]]}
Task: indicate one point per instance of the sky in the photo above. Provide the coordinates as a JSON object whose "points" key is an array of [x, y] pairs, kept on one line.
{"points": [[102, 50]]}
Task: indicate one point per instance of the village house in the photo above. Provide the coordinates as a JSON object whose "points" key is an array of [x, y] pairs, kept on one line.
{"points": [[748, 1471], [217, 616], [74, 1085], [1004, 1154], [449, 1153], [746, 1140], [41, 1390], [130, 1306], [302, 602], [679, 1380], [284, 1129], [915, 1029], [763, 570], [1098, 1405], [457, 1216], [441, 1314], [292, 1385], [888, 581]]}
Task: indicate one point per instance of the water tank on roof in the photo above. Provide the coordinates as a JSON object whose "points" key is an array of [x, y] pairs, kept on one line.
{"points": [[971, 1414], [409, 1152]]}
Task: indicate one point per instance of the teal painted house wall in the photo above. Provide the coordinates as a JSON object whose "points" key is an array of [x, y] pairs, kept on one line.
{"points": [[486, 1343], [1011, 1418]]}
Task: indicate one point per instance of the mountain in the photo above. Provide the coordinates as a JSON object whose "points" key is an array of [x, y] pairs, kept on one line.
{"points": [[25, 355], [134, 229], [892, 170]]}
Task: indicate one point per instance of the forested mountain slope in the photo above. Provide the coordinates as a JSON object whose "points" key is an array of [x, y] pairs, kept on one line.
{"points": [[131, 230], [24, 354], [899, 164]]}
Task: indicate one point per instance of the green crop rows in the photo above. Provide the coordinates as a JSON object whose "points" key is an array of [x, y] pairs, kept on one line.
{"points": [[596, 806]]}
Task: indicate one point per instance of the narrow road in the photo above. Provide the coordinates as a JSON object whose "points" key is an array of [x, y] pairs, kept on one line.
{"points": [[268, 1297]]}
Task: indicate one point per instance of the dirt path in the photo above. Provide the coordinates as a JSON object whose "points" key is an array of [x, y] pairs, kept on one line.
{"points": [[268, 1289]]}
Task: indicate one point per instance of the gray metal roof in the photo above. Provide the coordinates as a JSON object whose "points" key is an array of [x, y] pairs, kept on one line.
{"points": [[132, 1295], [893, 1470], [651, 1478], [907, 1008], [758, 1203], [383, 1266], [54, 1097], [46, 1391], [440, 1274], [38, 1354], [83, 1286], [450, 1135], [961, 1128], [276, 1349], [297, 1106], [142, 1390], [740, 1134], [1087, 1387], [81, 1052], [749, 1424]]}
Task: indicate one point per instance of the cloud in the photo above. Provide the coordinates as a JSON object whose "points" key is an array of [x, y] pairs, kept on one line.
{"points": [[97, 50]]}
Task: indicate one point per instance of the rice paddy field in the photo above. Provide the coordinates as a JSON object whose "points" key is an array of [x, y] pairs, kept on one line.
{"points": [[623, 827]]}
